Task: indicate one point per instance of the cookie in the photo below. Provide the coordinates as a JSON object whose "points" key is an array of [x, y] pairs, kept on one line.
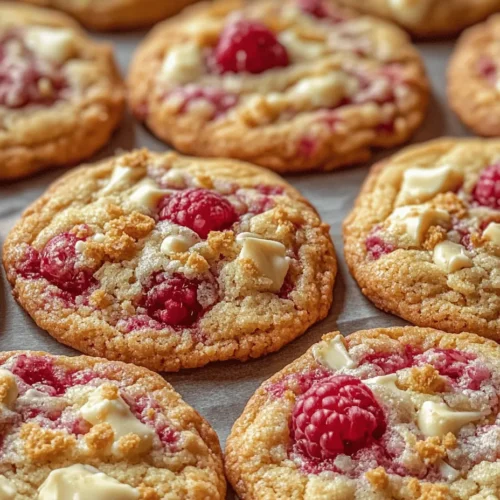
{"points": [[473, 78], [172, 262], [423, 240], [428, 18], [292, 85], [84, 427], [118, 14], [61, 95], [397, 413]]}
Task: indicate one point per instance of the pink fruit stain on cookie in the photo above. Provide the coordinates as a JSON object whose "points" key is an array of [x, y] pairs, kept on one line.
{"points": [[198, 209], [376, 246], [487, 190], [487, 68], [248, 46], [318, 9], [24, 78], [391, 362], [337, 415]]}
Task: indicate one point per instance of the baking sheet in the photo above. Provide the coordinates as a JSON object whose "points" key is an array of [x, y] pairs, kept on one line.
{"points": [[220, 391]]}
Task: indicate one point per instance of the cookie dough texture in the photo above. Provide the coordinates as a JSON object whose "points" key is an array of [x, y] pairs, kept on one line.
{"points": [[351, 86], [406, 280], [116, 14], [37, 137], [257, 460], [245, 319], [428, 18], [473, 78]]}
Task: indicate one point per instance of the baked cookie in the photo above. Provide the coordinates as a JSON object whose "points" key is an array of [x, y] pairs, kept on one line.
{"points": [[81, 428], [474, 78], [428, 18], [423, 240], [172, 262], [61, 95], [292, 85], [116, 14], [397, 413]]}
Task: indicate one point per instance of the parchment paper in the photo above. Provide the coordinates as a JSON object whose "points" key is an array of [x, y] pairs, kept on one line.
{"points": [[220, 391]]}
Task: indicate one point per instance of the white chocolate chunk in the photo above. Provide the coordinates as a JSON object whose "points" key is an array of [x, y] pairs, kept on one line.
{"points": [[388, 382], [299, 49], [56, 44], [80, 246], [321, 91], [8, 382], [417, 219], [99, 238], [448, 472], [410, 11], [182, 64], [117, 414], [7, 489], [119, 177], [147, 194], [177, 243], [437, 419], [82, 482], [450, 257], [333, 354], [421, 184], [175, 178], [268, 256], [492, 233]]}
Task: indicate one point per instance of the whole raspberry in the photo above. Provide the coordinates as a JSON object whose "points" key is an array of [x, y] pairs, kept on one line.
{"points": [[487, 190], [248, 46], [173, 300], [58, 264], [337, 415], [201, 210]]}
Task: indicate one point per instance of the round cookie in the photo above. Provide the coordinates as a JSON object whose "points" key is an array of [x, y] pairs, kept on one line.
{"points": [[423, 240], [292, 85], [473, 78], [116, 14], [84, 427], [428, 18], [172, 262], [61, 95], [397, 413]]}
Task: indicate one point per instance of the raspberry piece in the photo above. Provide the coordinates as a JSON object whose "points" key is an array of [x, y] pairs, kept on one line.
{"points": [[487, 190], [201, 210], [486, 67], [173, 300], [221, 101], [59, 265], [376, 246], [248, 46], [391, 362], [29, 267], [337, 415], [315, 8]]}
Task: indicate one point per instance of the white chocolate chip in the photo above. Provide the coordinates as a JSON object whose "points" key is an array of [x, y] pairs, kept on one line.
{"points": [[80, 246], [177, 243], [7, 489], [99, 237], [117, 414], [450, 257], [147, 194], [492, 233], [120, 176], [299, 49], [417, 219], [56, 44], [82, 482], [437, 419], [410, 11], [321, 91], [421, 184], [333, 354], [182, 64], [448, 472], [268, 256], [8, 380], [388, 382], [175, 178]]}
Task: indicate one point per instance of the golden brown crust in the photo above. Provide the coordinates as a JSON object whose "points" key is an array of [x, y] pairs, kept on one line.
{"points": [[34, 138]]}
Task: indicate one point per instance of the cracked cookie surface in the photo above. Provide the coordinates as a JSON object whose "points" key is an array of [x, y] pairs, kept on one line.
{"points": [[172, 262], [289, 85]]}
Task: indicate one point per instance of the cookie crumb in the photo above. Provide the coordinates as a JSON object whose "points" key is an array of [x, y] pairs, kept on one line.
{"points": [[378, 478]]}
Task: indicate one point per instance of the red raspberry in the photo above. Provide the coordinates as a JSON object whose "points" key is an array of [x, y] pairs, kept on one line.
{"points": [[486, 67], [376, 246], [315, 8], [221, 101], [391, 362], [59, 265], [173, 300], [337, 415], [198, 209], [29, 267], [487, 190], [248, 46]]}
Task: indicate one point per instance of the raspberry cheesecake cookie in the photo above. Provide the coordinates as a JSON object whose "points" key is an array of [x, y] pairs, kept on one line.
{"points": [[474, 78], [397, 413], [423, 240], [172, 262], [61, 96], [116, 14], [292, 85], [81, 428], [429, 18]]}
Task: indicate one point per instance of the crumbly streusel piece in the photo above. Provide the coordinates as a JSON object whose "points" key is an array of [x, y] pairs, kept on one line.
{"points": [[287, 85], [172, 262], [423, 240], [341, 421]]}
